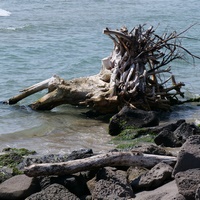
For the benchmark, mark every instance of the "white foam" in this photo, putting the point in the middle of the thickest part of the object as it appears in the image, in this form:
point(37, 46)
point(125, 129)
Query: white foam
point(4, 13)
point(11, 28)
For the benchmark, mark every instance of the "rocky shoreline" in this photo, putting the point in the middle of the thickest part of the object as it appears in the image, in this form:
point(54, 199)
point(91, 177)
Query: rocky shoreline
point(163, 181)
point(179, 180)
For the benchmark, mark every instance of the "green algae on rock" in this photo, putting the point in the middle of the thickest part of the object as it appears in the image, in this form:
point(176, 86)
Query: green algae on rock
point(128, 138)
point(10, 160)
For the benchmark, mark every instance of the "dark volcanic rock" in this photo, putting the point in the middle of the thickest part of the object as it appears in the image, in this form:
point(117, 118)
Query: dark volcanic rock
point(77, 185)
point(189, 155)
point(187, 183)
point(166, 136)
point(18, 187)
point(134, 118)
point(54, 192)
point(110, 184)
point(171, 137)
point(185, 130)
point(168, 139)
point(74, 183)
point(154, 178)
point(80, 154)
point(173, 126)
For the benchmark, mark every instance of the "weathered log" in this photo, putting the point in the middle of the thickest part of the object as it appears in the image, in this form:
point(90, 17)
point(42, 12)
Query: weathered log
point(48, 83)
point(109, 159)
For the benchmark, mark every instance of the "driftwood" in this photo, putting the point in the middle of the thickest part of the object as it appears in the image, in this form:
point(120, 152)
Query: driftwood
point(135, 73)
point(88, 91)
point(109, 159)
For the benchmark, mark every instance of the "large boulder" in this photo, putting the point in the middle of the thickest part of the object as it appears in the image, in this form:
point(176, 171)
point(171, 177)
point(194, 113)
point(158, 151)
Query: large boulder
point(157, 176)
point(188, 182)
point(18, 187)
point(110, 184)
point(132, 118)
point(189, 155)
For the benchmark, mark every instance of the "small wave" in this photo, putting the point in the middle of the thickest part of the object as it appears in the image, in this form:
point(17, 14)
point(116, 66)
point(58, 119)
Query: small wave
point(4, 13)
point(11, 28)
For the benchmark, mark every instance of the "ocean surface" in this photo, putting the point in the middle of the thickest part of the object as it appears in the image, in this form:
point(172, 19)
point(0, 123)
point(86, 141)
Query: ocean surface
point(41, 38)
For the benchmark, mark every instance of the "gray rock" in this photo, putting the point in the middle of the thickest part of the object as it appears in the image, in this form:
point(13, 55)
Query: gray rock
point(187, 183)
point(45, 182)
point(5, 173)
point(168, 191)
point(135, 118)
point(18, 187)
point(197, 193)
point(77, 185)
point(189, 155)
point(135, 172)
point(151, 149)
point(154, 178)
point(173, 126)
point(91, 184)
point(111, 184)
point(54, 192)
point(80, 154)
point(179, 197)
point(185, 130)
point(169, 137)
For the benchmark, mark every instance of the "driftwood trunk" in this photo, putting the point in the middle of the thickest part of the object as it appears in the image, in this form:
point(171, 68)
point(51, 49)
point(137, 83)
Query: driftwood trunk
point(90, 91)
point(98, 161)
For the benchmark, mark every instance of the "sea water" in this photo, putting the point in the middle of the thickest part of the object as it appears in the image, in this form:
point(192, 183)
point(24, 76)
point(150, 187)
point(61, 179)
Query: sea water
point(41, 38)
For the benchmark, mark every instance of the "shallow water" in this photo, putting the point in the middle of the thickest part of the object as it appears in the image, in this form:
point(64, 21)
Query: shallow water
point(63, 37)
point(62, 130)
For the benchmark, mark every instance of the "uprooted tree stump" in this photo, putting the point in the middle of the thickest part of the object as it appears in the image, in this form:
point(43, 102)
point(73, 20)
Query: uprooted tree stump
point(133, 74)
